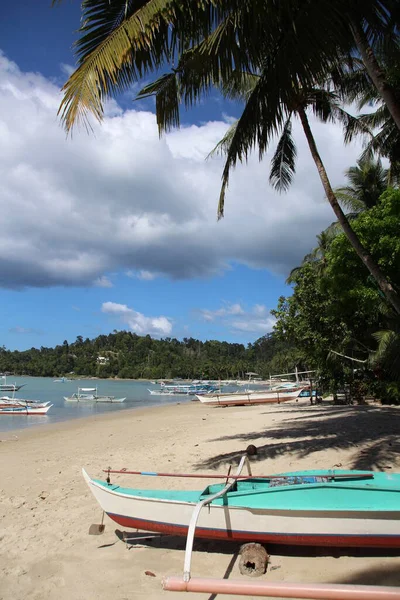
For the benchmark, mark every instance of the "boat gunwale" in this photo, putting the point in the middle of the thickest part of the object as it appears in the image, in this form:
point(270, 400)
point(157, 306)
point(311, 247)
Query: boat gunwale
point(113, 490)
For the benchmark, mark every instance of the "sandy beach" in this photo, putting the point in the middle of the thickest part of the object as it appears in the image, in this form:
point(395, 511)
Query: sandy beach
point(46, 508)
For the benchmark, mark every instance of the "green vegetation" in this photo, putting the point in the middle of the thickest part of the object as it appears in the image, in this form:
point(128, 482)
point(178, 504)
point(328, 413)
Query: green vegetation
point(131, 356)
point(336, 307)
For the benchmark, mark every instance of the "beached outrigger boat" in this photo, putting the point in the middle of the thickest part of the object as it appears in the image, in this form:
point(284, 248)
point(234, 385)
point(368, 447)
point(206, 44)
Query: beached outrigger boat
point(274, 396)
point(189, 389)
point(319, 508)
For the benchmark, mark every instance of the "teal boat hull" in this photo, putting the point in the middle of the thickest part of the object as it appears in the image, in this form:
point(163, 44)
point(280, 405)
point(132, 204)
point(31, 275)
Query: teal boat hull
point(307, 508)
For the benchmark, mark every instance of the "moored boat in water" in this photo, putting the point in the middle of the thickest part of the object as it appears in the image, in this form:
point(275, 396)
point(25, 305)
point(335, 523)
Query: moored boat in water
point(319, 508)
point(26, 409)
point(7, 402)
point(86, 394)
point(9, 387)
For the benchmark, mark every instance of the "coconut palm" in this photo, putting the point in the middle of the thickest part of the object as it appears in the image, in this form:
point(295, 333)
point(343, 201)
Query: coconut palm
point(367, 182)
point(317, 256)
point(291, 46)
point(122, 40)
point(382, 135)
point(252, 128)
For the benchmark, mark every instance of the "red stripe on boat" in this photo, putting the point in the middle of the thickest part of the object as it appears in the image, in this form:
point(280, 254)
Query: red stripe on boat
point(370, 541)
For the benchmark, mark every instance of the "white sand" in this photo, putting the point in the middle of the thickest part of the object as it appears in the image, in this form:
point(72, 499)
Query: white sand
point(46, 508)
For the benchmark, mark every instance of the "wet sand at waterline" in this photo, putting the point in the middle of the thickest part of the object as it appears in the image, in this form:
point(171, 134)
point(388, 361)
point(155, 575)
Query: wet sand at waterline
point(46, 508)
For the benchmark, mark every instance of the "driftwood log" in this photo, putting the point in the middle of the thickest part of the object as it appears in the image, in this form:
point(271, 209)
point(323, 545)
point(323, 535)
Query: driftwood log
point(253, 560)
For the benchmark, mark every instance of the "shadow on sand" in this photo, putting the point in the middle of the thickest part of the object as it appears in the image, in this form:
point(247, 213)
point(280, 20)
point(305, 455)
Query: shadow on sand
point(371, 430)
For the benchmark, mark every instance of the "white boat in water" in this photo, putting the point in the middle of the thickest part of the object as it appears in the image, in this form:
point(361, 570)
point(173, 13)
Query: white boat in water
point(91, 395)
point(26, 409)
point(9, 387)
point(274, 396)
point(7, 402)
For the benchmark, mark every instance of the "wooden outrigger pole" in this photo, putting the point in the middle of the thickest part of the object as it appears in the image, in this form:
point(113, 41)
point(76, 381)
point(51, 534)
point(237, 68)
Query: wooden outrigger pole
point(207, 476)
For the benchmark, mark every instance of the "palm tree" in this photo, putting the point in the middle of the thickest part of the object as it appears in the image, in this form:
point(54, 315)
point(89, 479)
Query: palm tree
point(291, 45)
point(367, 182)
point(121, 41)
point(378, 127)
point(317, 256)
point(252, 128)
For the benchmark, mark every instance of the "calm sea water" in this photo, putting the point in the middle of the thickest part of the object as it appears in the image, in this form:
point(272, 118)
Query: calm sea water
point(45, 389)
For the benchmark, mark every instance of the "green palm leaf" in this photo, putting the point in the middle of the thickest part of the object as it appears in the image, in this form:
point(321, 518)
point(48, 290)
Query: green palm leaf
point(283, 163)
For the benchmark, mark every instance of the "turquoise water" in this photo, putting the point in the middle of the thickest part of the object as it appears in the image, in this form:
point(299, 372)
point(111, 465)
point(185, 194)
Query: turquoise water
point(44, 389)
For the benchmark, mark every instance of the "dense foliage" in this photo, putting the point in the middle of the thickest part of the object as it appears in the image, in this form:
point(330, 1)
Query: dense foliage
point(131, 356)
point(337, 310)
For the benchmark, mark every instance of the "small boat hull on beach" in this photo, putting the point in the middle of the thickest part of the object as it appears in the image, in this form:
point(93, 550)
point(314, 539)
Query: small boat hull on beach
point(250, 397)
point(357, 509)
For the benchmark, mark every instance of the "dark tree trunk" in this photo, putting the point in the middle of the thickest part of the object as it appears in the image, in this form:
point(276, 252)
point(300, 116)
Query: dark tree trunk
point(366, 258)
point(376, 73)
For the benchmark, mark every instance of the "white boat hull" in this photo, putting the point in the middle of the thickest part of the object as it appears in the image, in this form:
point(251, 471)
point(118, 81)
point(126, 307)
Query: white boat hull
point(108, 399)
point(301, 527)
point(24, 410)
point(249, 397)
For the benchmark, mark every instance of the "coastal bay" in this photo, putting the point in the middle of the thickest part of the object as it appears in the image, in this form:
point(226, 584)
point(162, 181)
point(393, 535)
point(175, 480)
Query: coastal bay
point(46, 508)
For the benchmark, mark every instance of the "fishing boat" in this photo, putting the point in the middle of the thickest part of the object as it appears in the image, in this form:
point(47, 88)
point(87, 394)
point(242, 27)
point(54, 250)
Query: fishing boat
point(189, 389)
point(273, 396)
point(318, 508)
point(9, 387)
point(6, 401)
point(25, 410)
point(86, 394)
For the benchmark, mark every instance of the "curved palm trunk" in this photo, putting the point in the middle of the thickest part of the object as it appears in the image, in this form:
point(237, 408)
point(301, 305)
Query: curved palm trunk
point(376, 73)
point(366, 258)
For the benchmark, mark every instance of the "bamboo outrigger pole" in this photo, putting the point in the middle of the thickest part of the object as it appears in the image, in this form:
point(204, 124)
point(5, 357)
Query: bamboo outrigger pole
point(313, 591)
point(205, 476)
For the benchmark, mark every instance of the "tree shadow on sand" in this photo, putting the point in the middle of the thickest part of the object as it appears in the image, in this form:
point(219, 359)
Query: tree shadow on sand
point(372, 431)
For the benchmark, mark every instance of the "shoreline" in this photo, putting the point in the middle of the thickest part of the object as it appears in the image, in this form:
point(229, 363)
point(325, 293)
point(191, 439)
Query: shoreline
point(47, 509)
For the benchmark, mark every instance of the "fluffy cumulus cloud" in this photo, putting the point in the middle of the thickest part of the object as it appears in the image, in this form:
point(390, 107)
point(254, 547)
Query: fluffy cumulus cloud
point(136, 321)
point(75, 210)
point(257, 320)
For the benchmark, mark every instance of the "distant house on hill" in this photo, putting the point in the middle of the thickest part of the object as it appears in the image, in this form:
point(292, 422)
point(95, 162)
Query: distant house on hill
point(102, 360)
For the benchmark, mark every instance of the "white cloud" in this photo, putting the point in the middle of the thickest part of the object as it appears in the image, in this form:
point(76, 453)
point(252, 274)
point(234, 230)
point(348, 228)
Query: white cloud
point(120, 199)
point(136, 321)
point(103, 281)
point(257, 320)
point(211, 315)
point(143, 275)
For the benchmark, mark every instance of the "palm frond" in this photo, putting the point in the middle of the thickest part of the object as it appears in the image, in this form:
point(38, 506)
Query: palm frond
point(387, 354)
point(224, 144)
point(166, 91)
point(283, 163)
point(111, 62)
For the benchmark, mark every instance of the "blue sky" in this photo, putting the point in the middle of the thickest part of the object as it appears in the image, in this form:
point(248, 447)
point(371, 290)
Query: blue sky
point(118, 230)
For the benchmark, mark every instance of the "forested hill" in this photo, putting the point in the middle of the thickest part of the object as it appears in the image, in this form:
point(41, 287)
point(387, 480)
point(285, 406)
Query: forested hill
point(127, 355)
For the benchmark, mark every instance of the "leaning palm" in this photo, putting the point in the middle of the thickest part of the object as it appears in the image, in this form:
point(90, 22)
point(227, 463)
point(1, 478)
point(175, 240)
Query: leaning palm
point(383, 137)
point(123, 40)
point(257, 126)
